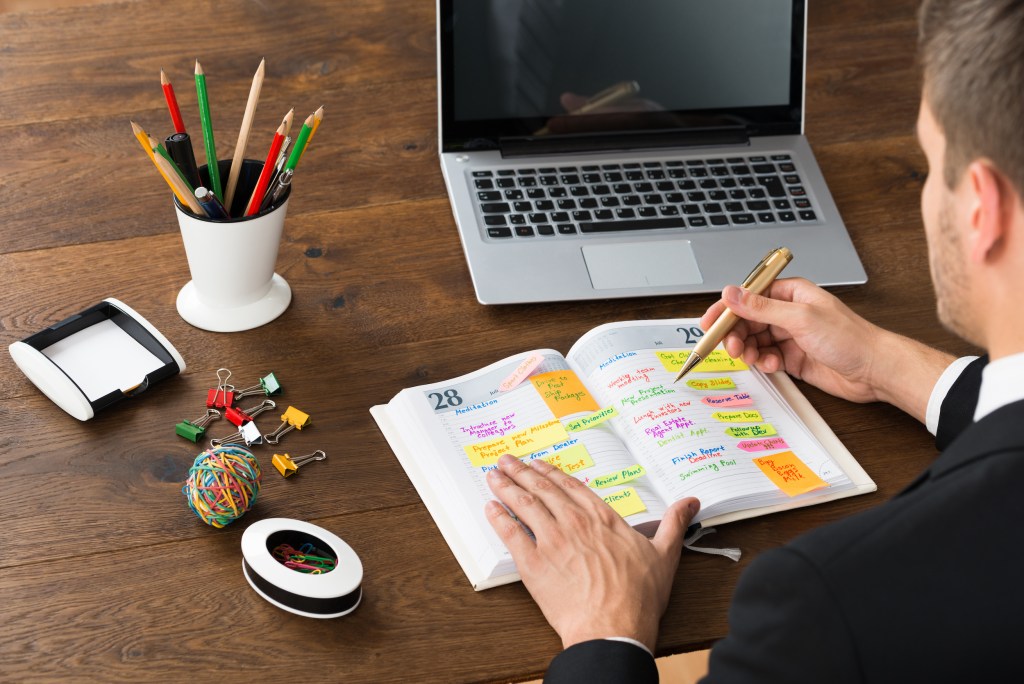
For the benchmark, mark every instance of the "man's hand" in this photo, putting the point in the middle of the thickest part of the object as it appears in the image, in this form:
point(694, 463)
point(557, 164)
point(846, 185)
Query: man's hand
point(592, 575)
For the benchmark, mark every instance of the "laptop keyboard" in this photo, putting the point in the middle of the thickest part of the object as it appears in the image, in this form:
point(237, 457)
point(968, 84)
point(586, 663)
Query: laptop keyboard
point(695, 194)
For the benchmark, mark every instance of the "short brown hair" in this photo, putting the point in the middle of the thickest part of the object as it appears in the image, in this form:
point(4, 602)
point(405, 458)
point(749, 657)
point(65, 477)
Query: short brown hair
point(972, 52)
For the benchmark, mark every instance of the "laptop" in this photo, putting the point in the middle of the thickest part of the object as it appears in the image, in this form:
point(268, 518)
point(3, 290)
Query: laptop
point(597, 149)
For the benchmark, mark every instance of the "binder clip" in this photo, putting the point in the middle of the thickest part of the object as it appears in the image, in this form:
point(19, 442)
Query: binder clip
point(223, 395)
point(267, 386)
point(291, 419)
point(249, 433)
point(288, 466)
point(192, 430)
point(239, 417)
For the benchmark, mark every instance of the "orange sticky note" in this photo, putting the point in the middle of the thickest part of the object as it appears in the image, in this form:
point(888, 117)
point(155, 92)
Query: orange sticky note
point(563, 392)
point(789, 473)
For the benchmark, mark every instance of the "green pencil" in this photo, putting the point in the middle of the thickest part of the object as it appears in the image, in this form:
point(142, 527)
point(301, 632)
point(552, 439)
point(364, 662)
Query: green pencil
point(300, 143)
point(211, 149)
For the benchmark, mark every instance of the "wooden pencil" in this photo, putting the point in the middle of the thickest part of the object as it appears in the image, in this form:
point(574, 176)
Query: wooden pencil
point(143, 139)
point(243, 133)
point(212, 169)
point(172, 103)
point(268, 167)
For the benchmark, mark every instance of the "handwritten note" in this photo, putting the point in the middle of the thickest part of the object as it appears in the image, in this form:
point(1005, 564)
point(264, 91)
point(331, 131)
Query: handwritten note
point(563, 392)
point(570, 459)
point(717, 361)
point(619, 477)
point(518, 443)
point(521, 372)
point(770, 444)
point(587, 422)
point(762, 430)
point(626, 502)
point(711, 383)
point(789, 473)
point(749, 416)
point(729, 400)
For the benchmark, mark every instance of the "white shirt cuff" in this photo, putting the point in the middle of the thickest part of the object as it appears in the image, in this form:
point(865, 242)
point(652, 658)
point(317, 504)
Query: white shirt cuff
point(631, 641)
point(941, 389)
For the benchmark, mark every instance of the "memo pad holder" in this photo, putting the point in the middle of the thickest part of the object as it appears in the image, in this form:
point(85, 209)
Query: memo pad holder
point(96, 358)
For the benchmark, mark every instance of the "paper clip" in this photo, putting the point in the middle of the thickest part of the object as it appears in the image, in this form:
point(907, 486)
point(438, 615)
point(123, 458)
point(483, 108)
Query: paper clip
point(194, 429)
point(291, 419)
point(267, 386)
point(223, 394)
point(287, 466)
point(249, 433)
point(239, 417)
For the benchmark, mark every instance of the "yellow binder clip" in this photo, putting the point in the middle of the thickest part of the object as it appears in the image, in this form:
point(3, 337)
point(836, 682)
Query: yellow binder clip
point(291, 419)
point(288, 466)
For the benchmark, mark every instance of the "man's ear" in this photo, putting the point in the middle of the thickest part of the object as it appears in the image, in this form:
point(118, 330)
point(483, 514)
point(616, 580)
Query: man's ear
point(988, 211)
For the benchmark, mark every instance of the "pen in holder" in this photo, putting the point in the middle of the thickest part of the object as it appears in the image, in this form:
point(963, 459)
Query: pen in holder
point(234, 286)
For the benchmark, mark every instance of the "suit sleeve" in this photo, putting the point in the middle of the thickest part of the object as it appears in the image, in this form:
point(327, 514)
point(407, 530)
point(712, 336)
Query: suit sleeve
point(602, 661)
point(784, 626)
point(957, 411)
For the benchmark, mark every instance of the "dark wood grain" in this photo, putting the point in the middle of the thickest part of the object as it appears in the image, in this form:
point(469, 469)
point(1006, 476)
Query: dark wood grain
point(104, 573)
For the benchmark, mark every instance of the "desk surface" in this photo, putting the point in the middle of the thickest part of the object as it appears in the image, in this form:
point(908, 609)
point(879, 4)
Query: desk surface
point(104, 573)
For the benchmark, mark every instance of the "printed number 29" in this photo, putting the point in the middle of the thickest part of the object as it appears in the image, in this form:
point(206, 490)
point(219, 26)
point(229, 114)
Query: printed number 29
point(692, 333)
point(451, 398)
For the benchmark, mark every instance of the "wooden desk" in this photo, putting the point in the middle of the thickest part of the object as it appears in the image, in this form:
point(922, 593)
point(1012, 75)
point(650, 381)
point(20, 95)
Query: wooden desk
point(104, 572)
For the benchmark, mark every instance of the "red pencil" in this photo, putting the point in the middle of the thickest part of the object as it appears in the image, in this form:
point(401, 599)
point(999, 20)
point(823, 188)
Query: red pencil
point(268, 168)
point(172, 103)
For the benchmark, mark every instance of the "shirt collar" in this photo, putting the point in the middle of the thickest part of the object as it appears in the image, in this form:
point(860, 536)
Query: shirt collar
point(1002, 383)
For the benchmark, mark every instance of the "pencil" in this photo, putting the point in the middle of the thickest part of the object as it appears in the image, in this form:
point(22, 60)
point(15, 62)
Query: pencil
point(300, 143)
point(268, 167)
point(143, 139)
point(318, 116)
point(211, 149)
point(243, 133)
point(172, 103)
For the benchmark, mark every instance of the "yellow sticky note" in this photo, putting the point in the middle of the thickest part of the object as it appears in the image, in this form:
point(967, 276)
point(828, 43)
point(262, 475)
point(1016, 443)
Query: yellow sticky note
point(626, 502)
point(748, 431)
point(789, 473)
point(738, 416)
point(619, 477)
point(518, 443)
point(590, 421)
point(711, 383)
point(571, 459)
point(563, 392)
point(717, 361)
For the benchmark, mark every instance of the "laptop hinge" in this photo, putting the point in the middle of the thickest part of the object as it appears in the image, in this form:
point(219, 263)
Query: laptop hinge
point(636, 140)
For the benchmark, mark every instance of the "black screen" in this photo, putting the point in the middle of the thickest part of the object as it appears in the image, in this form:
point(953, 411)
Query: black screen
point(528, 67)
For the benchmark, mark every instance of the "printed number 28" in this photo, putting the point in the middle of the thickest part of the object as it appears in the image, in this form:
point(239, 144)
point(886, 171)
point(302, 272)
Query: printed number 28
point(450, 398)
point(692, 333)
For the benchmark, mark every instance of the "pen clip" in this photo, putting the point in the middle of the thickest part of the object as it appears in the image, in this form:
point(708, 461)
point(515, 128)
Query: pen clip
point(749, 280)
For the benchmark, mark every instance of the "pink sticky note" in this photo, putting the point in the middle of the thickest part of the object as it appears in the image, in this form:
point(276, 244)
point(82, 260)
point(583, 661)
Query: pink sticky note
point(522, 371)
point(729, 400)
point(765, 444)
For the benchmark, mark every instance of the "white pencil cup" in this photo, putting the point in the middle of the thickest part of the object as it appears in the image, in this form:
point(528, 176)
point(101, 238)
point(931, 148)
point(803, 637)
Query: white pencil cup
point(234, 286)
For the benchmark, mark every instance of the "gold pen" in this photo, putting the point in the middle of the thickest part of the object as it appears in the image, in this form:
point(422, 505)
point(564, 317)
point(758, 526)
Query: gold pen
point(608, 96)
point(757, 282)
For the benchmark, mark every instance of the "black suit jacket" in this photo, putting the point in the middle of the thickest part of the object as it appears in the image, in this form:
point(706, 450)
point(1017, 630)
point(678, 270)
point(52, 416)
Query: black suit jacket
point(928, 587)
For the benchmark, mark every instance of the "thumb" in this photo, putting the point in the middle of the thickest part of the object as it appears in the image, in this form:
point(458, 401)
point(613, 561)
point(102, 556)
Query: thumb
point(669, 537)
point(757, 308)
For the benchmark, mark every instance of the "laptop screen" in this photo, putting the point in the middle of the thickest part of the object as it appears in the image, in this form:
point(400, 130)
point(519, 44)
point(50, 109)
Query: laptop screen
point(531, 69)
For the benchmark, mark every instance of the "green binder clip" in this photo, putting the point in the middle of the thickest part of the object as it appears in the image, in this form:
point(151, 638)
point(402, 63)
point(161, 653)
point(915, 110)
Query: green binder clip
point(192, 430)
point(267, 386)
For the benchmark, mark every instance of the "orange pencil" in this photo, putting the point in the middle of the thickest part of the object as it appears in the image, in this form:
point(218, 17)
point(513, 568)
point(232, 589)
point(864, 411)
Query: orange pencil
point(268, 168)
point(143, 139)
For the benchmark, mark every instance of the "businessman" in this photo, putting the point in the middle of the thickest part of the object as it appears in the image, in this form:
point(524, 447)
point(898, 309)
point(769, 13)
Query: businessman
point(927, 586)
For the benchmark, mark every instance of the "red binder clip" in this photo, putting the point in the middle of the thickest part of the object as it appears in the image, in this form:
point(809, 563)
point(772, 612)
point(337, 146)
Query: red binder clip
point(239, 417)
point(223, 395)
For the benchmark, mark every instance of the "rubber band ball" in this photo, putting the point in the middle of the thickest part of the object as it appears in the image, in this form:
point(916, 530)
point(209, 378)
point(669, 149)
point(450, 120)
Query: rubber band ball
point(223, 484)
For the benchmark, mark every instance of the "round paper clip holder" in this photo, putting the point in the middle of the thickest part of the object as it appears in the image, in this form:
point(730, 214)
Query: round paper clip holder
point(328, 595)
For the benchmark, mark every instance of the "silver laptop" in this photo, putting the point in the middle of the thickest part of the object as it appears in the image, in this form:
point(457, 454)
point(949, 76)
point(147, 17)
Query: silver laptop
point(603, 148)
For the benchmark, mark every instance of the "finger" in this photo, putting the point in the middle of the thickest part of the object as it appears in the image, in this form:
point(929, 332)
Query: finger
point(669, 537)
point(534, 479)
point(712, 314)
point(574, 489)
point(761, 309)
point(523, 504)
point(510, 532)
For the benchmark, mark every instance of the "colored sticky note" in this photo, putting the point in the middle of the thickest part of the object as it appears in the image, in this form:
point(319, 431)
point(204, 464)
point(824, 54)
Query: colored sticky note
point(717, 361)
point(571, 459)
point(618, 477)
point(749, 416)
point(762, 430)
point(711, 383)
point(518, 443)
point(587, 422)
point(769, 444)
point(522, 371)
point(626, 502)
point(563, 392)
point(789, 473)
point(729, 400)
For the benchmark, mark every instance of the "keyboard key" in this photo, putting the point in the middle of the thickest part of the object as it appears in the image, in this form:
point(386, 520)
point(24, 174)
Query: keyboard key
point(613, 177)
point(495, 208)
point(687, 185)
point(566, 229)
point(787, 216)
point(528, 182)
point(546, 229)
point(635, 224)
point(484, 184)
point(717, 195)
point(698, 172)
point(733, 207)
point(773, 186)
point(522, 206)
point(756, 193)
point(787, 168)
point(588, 203)
point(482, 174)
point(536, 193)
point(791, 179)
point(727, 183)
point(668, 210)
point(604, 215)
point(734, 160)
point(591, 167)
point(591, 178)
point(566, 204)
point(570, 179)
point(758, 159)
point(495, 220)
point(517, 220)
point(696, 196)
point(808, 215)
point(764, 168)
point(737, 194)
point(719, 171)
point(766, 217)
point(581, 215)
point(653, 198)
point(610, 167)
point(544, 205)
point(664, 186)
point(513, 194)
point(524, 231)
point(567, 169)
point(698, 222)
point(505, 182)
point(527, 172)
point(547, 170)
point(719, 220)
point(780, 157)
point(625, 213)
point(740, 170)
point(656, 175)
point(759, 205)
point(632, 200)
point(506, 172)
point(549, 180)
point(708, 184)
point(631, 165)
point(677, 173)
point(611, 201)
point(652, 165)
point(489, 196)
point(675, 197)
point(781, 204)
point(600, 190)
point(742, 219)
point(646, 212)
point(802, 203)
point(557, 192)
point(622, 188)
point(560, 217)
point(538, 218)
point(634, 175)
point(797, 191)
point(691, 209)
point(499, 232)
point(643, 187)
point(712, 208)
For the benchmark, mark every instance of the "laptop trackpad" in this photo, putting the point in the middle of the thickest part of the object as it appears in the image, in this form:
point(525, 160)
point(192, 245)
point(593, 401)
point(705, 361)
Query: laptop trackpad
point(645, 264)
